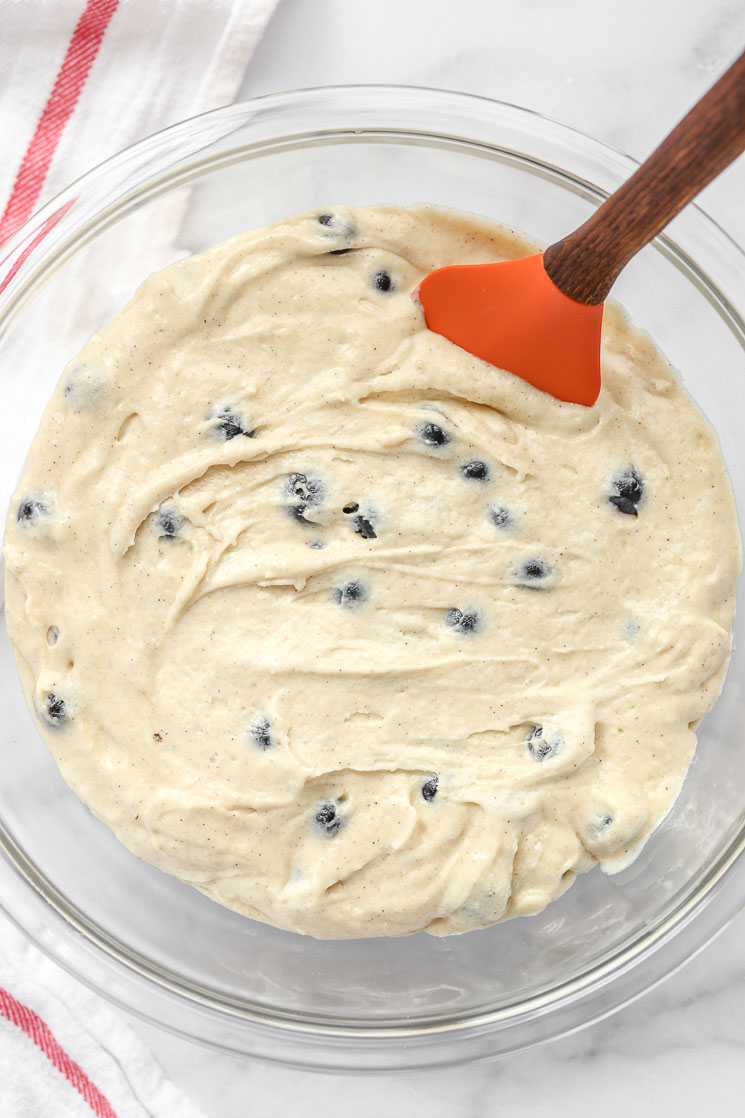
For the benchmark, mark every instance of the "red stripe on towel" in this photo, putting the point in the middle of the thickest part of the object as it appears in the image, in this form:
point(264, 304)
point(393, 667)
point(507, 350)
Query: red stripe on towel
point(47, 226)
point(31, 1024)
point(82, 50)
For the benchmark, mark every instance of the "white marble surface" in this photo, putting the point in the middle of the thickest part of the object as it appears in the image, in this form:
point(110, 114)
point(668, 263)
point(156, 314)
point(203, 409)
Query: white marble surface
point(623, 70)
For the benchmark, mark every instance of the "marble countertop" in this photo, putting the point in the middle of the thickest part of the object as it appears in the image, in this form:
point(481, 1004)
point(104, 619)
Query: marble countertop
point(623, 70)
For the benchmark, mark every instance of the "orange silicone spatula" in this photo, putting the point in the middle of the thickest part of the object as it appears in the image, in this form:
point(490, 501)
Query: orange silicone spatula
point(540, 317)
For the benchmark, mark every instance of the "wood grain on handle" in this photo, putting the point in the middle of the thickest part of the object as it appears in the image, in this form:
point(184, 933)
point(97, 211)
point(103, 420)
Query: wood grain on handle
point(585, 264)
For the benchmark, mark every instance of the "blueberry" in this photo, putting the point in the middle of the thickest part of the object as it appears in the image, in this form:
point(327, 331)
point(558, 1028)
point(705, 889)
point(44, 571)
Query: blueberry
point(352, 593)
point(55, 709)
point(327, 818)
point(382, 281)
point(337, 227)
point(304, 493)
point(363, 527)
point(170, 522)
point(307, 490)
point(30, 508)
point(297, 513)
point(626, 491)
point(433, 435)
point(501, 517)
point(351, 506)
point(541, 746)
point(532, 572)
point(84, 385)
point(463, 620)
point(261, 732)
point(476, 469)
point(429, 788)
point(230, 424)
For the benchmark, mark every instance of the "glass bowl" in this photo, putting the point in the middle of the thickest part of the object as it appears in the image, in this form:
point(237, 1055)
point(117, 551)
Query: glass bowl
point(158, 947)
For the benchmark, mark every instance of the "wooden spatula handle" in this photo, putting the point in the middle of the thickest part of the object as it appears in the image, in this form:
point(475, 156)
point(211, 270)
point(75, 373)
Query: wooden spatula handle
point(585, 264)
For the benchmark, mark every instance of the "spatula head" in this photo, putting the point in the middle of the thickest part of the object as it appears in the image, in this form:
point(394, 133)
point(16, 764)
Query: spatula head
point(513, 316)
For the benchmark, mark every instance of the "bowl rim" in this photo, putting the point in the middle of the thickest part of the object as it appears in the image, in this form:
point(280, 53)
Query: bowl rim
point(712, 907)
point(286, 96)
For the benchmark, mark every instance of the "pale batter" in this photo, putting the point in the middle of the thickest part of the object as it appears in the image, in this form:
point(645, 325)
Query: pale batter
point(345, 627)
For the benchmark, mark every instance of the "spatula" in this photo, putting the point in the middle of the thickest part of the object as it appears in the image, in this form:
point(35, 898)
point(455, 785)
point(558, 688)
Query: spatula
point(540, 317)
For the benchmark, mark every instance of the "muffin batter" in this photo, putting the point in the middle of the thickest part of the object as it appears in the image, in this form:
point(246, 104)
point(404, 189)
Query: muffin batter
point(348, 629)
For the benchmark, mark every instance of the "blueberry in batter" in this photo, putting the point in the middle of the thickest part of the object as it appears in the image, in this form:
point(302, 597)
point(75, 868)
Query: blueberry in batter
point(433, 435)
point(626, 491)
point(475, 470)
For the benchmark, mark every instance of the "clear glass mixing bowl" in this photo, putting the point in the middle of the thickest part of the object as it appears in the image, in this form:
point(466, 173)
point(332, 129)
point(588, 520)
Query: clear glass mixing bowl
point(158, 947)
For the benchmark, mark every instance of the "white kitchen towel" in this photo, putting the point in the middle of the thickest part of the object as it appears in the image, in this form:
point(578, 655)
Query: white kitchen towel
point(65, 1054)
point(79, 80)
